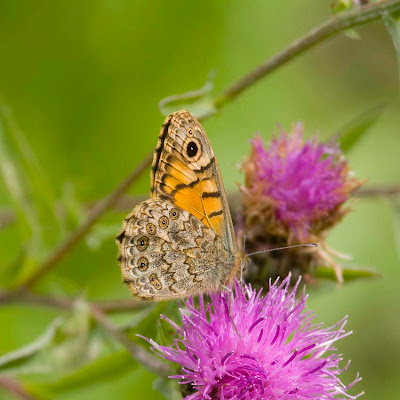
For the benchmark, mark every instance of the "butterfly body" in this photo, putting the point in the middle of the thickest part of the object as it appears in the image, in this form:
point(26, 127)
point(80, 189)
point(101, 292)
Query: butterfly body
point(181, 241)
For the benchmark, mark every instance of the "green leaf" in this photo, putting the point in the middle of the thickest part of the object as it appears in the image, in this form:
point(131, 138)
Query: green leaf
point(36, 392)
point(166, 332)
point(137, 317)
point(392, 22)
point(169, 388)
point(32, 197)
point(102, 369)
point(352, 34)
point(146, 326)
point(199, 102)
point(349, 274)
point(73, 211)
point(17, 184)
point(7, 272)
point(339, 6)
point(18, 358)
point(154, 327)
point(351, 134)
point(66, 344)
point(40, 191)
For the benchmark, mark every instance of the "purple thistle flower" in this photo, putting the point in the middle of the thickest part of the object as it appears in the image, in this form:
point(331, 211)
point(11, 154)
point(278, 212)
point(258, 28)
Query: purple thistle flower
point(242, 346)
point(297, 188)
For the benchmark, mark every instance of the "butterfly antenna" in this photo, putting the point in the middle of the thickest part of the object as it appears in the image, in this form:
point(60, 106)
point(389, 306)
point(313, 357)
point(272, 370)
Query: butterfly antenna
point(284, 248)
point(242, 261)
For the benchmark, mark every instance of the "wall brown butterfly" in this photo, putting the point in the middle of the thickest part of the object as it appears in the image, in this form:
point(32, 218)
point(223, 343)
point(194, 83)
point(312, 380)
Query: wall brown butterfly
point(181, 241)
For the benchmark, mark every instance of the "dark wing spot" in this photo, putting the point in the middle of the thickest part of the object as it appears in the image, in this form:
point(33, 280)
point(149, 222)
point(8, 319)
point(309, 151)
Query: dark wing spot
point(215, 214)
point(143, 264)
point(163, 222)
point(180, 186)
point(151, 228)
point(142, 243)
point(206, 195)
point(120, 237)
point(192, 149)
point(155, 282)
point(174, 214)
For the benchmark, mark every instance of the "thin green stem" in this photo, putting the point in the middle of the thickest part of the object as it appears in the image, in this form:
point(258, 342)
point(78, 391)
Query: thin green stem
point(336, 24)
point(67, 303)
point(92, 217)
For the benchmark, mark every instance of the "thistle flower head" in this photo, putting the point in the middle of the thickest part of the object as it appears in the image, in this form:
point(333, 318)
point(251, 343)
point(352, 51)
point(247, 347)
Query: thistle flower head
point(242, 346)
point(296, 188)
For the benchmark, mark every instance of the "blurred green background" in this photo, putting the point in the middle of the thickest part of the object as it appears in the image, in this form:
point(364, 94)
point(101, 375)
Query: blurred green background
point(83, 80)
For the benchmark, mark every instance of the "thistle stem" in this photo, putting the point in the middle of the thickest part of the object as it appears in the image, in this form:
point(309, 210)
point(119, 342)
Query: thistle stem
point(335, 24)
point(67, 303)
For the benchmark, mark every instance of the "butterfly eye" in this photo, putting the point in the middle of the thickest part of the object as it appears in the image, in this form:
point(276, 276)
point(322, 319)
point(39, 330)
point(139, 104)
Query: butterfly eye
point(192, 149)
point(190, 132)
point(142, 243)
point(163, 222)
point(174, 214)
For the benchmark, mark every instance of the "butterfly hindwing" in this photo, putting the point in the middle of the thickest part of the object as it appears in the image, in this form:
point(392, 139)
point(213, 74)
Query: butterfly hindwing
point(165, 253)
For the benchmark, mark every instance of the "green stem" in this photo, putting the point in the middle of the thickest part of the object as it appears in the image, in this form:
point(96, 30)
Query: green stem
point(92, 217)
point(67, 303)
point(336, 24)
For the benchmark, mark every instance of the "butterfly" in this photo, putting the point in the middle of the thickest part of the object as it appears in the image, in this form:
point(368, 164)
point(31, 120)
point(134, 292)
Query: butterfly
point(181, 241)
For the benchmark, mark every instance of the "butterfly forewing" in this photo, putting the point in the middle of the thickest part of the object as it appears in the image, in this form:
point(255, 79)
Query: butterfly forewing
point(185, 172)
